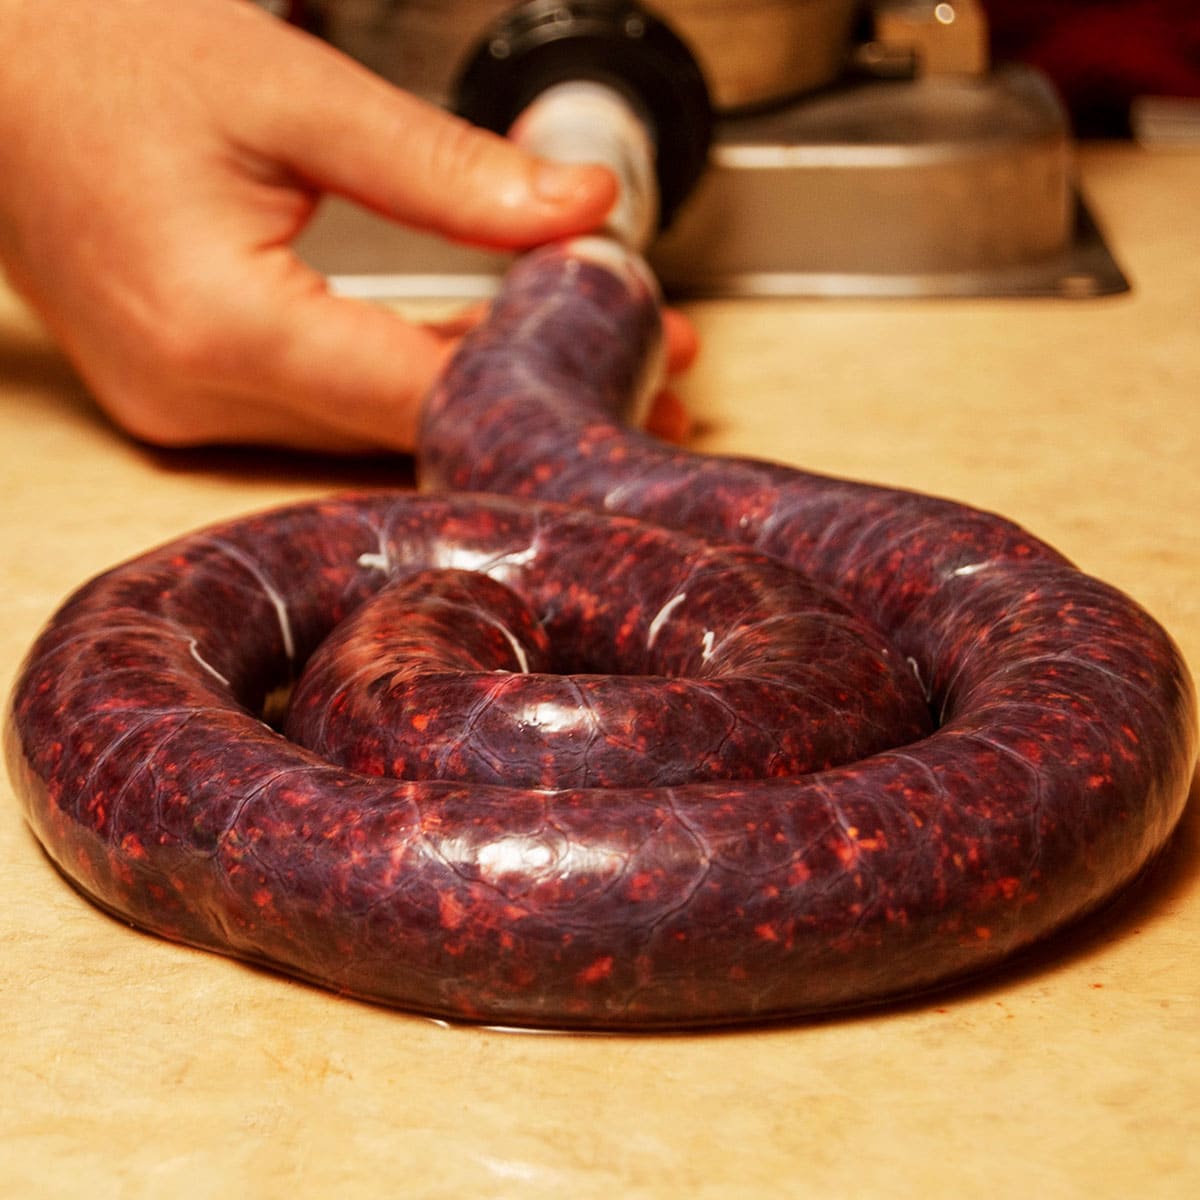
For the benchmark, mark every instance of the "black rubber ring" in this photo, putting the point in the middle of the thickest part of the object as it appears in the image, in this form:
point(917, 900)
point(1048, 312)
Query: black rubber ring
point(546, 42)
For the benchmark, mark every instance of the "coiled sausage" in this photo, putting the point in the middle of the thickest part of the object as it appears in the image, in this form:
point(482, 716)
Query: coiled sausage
point(1030, 749)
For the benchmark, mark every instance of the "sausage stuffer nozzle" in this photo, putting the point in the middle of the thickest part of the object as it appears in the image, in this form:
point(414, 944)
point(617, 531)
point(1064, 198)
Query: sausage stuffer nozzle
point(585, 121)
point(597, 81)
point(600, 81)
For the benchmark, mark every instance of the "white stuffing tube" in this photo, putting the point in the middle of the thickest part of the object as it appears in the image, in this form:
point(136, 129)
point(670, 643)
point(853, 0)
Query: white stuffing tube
point(584, 121)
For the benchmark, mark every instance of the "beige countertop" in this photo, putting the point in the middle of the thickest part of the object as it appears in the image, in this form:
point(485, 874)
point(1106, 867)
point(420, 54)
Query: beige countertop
point(132, 1067)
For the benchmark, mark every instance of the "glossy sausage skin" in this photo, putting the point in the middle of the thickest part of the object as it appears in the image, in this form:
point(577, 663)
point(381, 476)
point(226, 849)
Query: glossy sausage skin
point(1062, 755)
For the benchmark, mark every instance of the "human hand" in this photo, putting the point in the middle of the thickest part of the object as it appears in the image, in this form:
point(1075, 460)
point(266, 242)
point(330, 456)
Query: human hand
point(156, 163)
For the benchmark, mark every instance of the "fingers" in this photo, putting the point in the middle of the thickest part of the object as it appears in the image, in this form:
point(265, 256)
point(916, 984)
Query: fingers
point(319, 371)
point(329, 374)
point(355, 375)
point(413, 162)
point(311, 372)
point(683, 342)
point(256, 351)
point(669, 419)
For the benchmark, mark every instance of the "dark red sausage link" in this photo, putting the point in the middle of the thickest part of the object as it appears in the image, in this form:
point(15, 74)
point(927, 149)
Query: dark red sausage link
point(1060, 763)
point(620, 680)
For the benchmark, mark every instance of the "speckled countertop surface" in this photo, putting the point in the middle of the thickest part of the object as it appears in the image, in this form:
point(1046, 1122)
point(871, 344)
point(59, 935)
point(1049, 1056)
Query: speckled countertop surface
point(136, 1068)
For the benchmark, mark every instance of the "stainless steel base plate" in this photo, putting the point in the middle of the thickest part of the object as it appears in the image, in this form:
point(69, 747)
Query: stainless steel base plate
point(944, 186)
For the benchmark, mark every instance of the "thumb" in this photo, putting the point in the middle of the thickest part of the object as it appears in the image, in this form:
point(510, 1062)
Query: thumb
point(411, 161)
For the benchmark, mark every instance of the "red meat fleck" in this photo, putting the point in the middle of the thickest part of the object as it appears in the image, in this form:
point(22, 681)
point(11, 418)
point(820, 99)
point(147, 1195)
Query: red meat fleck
point(597, 971)
point(451, 912)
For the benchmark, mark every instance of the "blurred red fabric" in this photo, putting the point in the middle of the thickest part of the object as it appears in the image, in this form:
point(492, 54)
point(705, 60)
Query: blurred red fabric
point(1102, 53)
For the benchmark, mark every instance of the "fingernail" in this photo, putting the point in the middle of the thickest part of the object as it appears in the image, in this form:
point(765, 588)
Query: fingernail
point(560, 182)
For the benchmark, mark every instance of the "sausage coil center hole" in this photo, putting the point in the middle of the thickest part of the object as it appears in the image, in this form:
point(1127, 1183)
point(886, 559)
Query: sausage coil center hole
point(660, 662)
